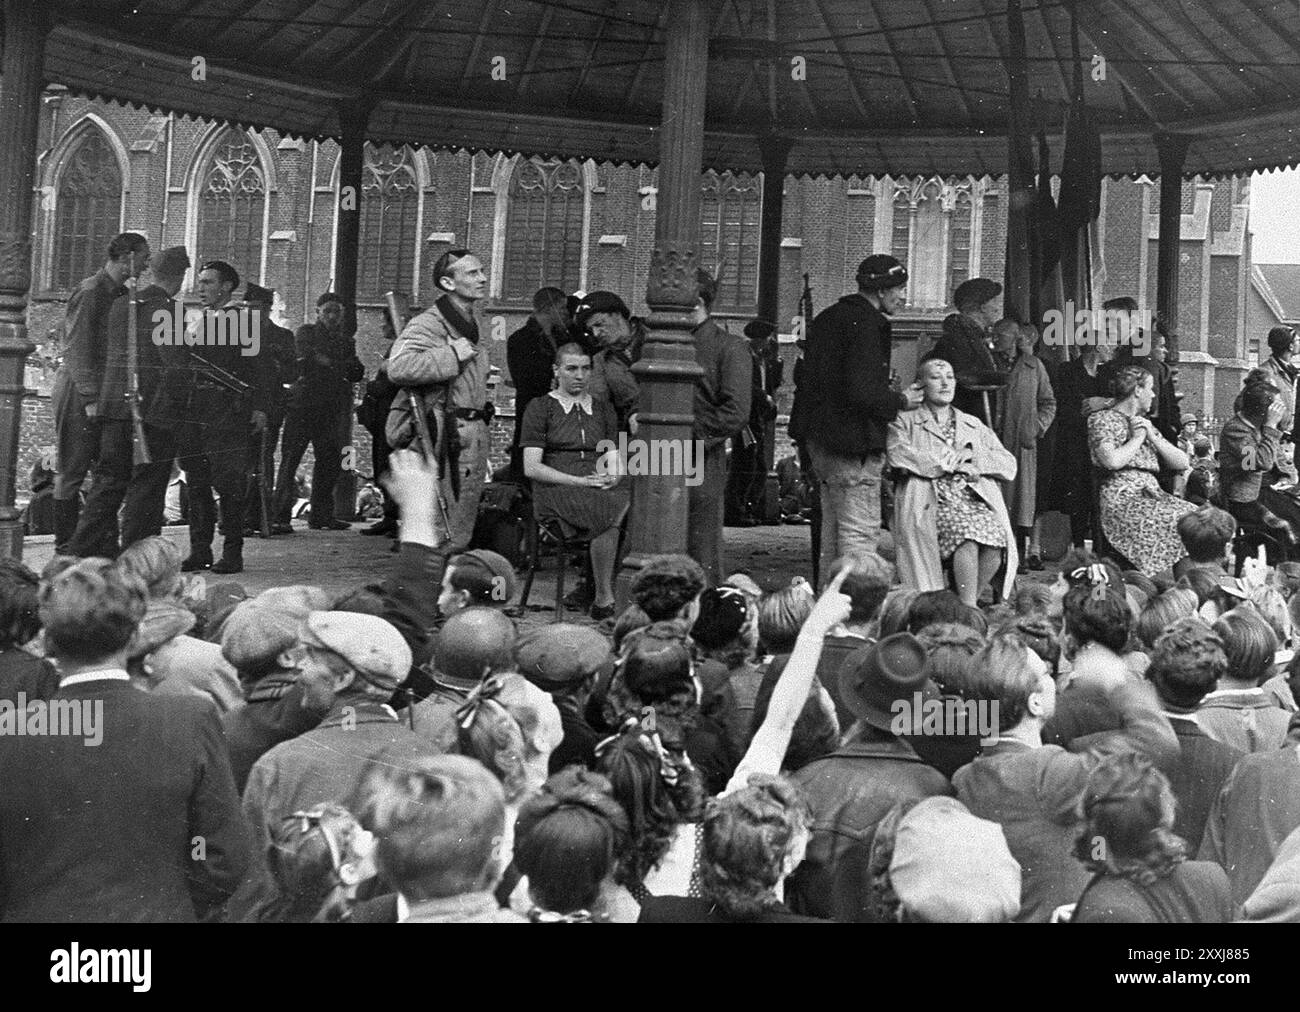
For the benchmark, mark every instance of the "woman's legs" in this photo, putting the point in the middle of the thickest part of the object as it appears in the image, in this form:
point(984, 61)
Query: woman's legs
point(973, 566)
point(604, 549)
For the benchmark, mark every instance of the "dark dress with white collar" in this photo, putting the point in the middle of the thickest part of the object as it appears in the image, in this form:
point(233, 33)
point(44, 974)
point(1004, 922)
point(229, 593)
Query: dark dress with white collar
point(569, 441)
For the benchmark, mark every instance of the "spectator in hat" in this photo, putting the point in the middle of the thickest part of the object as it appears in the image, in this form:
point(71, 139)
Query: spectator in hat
point(1186, 662)
point(1280, 370)
point(852, 789)
point(722, 407)
point(1029, 788)
point(613, 337)
point(931, 861)
point(844, 403)
point(21, 672)
point(751, 447)
point(964, 344)
point(1139, 866)
point(439, 821)
point(565, 660)
point(355, 661)
point(530, 358)
point(260, 640)
point(479, 577)
point(100, 824)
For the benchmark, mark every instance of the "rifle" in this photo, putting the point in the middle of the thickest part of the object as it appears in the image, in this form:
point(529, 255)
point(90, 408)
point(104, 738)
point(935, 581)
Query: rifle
point(399, 308)
point(257, 473)
point(215, 374)
point(139, 448)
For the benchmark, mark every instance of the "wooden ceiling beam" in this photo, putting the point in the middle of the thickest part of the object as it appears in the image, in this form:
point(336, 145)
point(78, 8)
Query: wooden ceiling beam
point(855, 91)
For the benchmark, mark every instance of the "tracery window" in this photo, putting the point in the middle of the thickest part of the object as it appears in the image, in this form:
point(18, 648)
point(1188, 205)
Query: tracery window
point(89, 210)
point(730, 224)
point(544, 225)
point(232, 205)
point(390, 209)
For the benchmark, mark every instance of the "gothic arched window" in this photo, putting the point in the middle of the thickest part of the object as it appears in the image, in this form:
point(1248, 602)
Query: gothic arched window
point(932, 235)
point(89, 210)
point(544, 226)
point(390, 208)
point(232, 204)
point(730, 215)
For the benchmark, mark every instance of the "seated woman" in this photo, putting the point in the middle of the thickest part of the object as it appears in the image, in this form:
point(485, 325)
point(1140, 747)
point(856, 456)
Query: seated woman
point(949, 504)
point(575, 481)
point(1138, 518)
point(1141, 874)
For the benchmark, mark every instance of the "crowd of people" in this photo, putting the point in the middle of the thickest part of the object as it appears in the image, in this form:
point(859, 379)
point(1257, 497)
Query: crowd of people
point(1116, 745)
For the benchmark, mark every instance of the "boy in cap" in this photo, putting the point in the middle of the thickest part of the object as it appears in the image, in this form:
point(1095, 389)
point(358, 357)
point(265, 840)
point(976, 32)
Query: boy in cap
point(844, 403)
point(352, 663)
point(853, 788)
point(118, 483)
point(259, 640)
point(477, 577)
point(964, 343)
point(564, 660)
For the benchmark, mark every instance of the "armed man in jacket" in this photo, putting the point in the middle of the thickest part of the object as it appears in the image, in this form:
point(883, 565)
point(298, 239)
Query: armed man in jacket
point(438, 355)
point(77, 385)
point(844, 404)
point(722, 400)
point(117, 477)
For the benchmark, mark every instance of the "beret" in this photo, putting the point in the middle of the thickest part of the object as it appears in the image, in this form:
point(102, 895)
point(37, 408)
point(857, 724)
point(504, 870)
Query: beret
point(562, 654)
point(171, 261)
point(599, 302)
point(374, 649)
point(975, 292)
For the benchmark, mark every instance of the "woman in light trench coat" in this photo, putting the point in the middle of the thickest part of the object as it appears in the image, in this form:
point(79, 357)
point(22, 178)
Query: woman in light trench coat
point(948, 503)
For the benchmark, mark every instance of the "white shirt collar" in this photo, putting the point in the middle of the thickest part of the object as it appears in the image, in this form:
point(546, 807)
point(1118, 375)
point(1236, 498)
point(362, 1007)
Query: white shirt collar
point(403, 909)
point(100, 675)
point(567, 402)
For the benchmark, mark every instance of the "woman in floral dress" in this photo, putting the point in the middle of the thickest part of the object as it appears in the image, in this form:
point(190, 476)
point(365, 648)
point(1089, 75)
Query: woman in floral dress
point(1138, 518)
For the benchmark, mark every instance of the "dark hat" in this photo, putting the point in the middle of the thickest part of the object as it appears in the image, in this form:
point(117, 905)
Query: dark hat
point(599, 302)
point(759, 330)
point(975, 292)
point(256, 293)
point(723, 613)
point(874, 677)
point(657, 662)
point(553, 657)
point(880, 271)
point(329, 297)
point(171, 262)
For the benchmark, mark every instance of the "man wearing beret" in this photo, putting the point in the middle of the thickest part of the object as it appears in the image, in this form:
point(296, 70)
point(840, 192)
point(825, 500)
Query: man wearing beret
point(964, 344)
point(354, 662)
point(616, 337)
point(844, 403)
point(564, 660)
point(143, 486)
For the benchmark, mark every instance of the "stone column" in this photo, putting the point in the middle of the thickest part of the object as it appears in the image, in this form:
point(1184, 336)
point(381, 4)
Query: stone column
point(25, 27)
point(667, 370)
point(1173, 155)
point(352, 117)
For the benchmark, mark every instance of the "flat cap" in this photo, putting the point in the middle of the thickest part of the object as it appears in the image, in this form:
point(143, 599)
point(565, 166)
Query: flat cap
point(374, 649)
point(255, 632)
point(256, 293)
point(171, 262)
point(556, 656)
point(502, 571)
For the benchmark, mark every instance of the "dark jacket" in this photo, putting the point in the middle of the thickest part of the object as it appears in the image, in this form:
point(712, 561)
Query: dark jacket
point(693, 910)
point(22, 672)
point(1246, 454)
point(577, 747)
point(844, 400)
point(1198, 777)
point(327, 368)
point(1195, 892)
point(85, 331)
point(273, 712)
point(113, 401)
point(722, 394)
point(108, 833)
point(530, 357)
point(254, 370)
point(849, 792)
point(280, 347)
point(964, 345)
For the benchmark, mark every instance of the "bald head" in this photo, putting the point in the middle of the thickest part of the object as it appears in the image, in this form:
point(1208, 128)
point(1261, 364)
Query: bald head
point(474, 642)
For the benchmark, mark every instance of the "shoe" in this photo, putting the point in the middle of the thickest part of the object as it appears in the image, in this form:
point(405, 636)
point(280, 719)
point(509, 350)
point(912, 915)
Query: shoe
point(230, 563)
point(1033, 564)
point(197, 561)
point(602, 611)
point(388, 527)
point(580, 598)
point(282, 528)
point(331, 525)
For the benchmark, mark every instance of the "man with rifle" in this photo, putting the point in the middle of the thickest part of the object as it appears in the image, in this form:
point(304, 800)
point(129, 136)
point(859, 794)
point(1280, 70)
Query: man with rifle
point(438, 356)
point(135, 458)
point(226, 393)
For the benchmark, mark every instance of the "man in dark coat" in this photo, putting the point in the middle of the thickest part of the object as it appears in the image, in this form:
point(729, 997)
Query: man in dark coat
point(282, 355)
point(530, 357)
point(75, 398)
point(372, 413)
point(751, 449)
point(721, 409)
point(565, 660)
point(124, 808)
point(844, 403)
point(322, 395)
point(117, 477)
point(964, 344)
